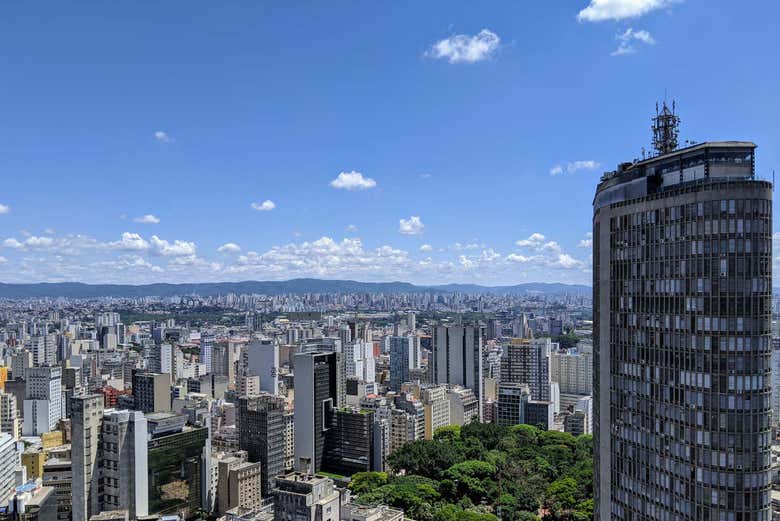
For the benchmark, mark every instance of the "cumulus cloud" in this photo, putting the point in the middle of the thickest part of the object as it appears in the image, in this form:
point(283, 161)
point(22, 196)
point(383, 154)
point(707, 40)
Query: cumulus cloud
point(175, 248)
point(574, 166)
point(587, 242)
point(163, 137)
point(628, 39)
point(600, 10)
point(411, 226)
point(533, 240)
point(129, 242)
point(147, 219)
point(464, 48)
point(352, 181)
point(4, 208)
point(265, 206)
point(352, 228)
point(426, 247)
point(3, 260)
point(229, 247)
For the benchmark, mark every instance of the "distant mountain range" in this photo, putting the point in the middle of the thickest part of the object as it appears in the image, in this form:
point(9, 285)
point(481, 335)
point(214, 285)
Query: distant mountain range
point(294, 286)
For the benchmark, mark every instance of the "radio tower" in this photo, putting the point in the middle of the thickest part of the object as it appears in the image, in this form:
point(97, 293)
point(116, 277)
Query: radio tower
point(666, 127)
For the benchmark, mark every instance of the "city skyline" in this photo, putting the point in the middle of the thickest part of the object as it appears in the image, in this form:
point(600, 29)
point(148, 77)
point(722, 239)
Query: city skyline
point(461, 144)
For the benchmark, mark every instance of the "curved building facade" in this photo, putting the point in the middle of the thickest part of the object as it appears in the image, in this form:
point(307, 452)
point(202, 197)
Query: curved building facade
point(682, 257)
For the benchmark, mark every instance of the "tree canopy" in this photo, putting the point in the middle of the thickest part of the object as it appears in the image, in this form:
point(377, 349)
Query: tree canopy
point(485, 472)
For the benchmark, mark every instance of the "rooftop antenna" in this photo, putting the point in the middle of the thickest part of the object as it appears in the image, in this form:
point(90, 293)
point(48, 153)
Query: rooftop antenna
point(666, 128)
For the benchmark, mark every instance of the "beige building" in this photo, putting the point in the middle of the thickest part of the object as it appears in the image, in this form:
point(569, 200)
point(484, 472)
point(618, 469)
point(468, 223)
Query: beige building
point(437, 409)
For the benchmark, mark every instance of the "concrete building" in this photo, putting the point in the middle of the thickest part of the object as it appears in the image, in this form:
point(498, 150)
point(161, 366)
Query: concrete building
point(527, 361)
point(402, 359)
point(263, 361)
point(261, 433)
point(436, 406)
point(316, 395)
point(85, 436)
point(464, 406)
point(123, 463)
point(43, 400)
point(359, 360)
point(682, 260)
point(457, 358)
point(511, 404)
point(306, 497)
point(239, 484)
point(573, 372)
point(9, 416)
point(152, 392)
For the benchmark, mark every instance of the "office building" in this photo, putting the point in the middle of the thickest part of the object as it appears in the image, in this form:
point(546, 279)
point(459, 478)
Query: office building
point(123, 463)
point(573, 372)
point(43, 400)
point(261, 433)
point(527, 361)
point(207, 351)
point(85, 436)
point(9, 415)
point(306, 497)
point(436, 408)
point(682, 264)
point(457, 358)
point(152, 392)
point(263, 361)
point(464, 406)
point(316, 395)
point(511, 404)
point(239, 485)
point(349, 442)
point(404, 356)
point(179, 465)
point(359, 360)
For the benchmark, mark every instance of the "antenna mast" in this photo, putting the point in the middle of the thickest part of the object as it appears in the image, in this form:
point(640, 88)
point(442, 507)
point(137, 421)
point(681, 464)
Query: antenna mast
point(666, 128)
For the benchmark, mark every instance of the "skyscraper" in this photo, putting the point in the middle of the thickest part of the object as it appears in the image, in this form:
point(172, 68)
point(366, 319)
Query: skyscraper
point(261, 432)
point(682, 246)
point(457, 358)
point(87, 414)
point(43, 402)
point(316, 395)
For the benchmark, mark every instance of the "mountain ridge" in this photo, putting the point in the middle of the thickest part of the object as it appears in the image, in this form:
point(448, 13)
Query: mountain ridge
point(292, 286)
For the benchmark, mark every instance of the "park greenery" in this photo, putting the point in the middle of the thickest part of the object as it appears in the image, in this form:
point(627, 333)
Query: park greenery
point(486, 472)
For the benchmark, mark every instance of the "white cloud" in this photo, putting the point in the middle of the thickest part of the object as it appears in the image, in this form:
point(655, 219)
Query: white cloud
point(229, 247)
point(566, 261)
point(352, 181)
point(426, 247)
point(265, 206)
point(163, 137)
point(3, 260)
point(574, 166)
point(425, 175)
point(464, 48)
point(176, 248)
point(129, 242)
point(147, 219)
point(628, 39)
point(411, 226)
point(587, 242)
point(600, 10)
point(4, 208)
point(352, 228)
point(534, 240)
point(31, 242)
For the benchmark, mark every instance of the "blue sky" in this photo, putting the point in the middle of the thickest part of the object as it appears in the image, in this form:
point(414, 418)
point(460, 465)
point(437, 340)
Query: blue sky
point(392, 140)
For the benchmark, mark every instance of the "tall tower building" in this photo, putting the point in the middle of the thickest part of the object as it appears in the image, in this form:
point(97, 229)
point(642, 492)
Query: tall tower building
point(261, 432)
point(457, 358)
point(87, 414)
point(43, 400)
point(682, 260)
point(316, 395)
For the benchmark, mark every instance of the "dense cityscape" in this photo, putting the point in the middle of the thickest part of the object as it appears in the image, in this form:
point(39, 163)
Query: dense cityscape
point(401, 261)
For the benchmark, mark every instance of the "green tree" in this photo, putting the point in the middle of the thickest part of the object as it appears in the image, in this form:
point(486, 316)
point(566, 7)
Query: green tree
point(366, 481)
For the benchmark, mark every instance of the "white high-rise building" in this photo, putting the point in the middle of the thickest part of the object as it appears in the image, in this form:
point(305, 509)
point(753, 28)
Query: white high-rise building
point(457, 359)
point(10, 459)
point(573, 372)
point(360, 361)
point(123, 462)
point(263, 360)
point(43, 400)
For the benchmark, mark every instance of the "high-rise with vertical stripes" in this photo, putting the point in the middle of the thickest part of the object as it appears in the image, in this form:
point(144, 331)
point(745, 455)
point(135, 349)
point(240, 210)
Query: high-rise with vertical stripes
point(682, 256)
